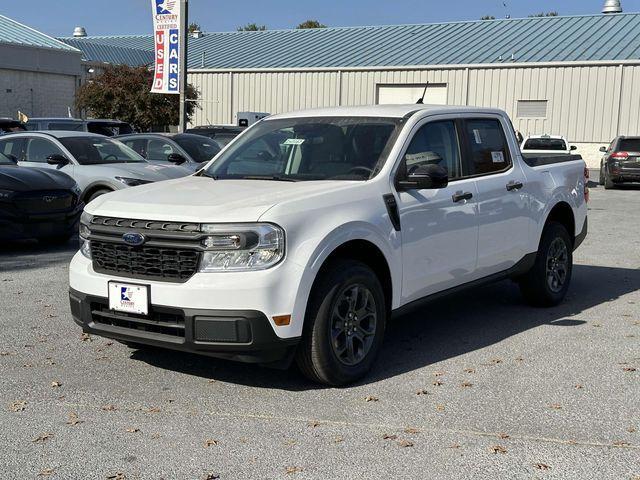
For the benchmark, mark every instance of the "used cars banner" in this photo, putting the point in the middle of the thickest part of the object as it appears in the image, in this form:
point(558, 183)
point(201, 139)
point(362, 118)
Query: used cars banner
point(166, 26)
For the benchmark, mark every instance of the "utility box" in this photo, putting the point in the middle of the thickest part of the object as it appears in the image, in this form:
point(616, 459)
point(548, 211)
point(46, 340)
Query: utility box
point(246, 119)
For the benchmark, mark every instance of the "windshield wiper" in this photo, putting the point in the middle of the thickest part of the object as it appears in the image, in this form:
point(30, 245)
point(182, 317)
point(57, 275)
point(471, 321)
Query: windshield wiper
point(276, 178)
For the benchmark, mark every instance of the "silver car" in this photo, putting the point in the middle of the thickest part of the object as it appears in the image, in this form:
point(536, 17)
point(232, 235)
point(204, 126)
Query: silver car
point(98, 164)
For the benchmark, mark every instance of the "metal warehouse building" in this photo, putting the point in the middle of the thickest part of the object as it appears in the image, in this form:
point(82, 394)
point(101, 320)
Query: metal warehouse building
point(578, 76)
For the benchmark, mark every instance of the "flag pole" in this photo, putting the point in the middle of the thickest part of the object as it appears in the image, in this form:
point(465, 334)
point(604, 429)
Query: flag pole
point(184, 36)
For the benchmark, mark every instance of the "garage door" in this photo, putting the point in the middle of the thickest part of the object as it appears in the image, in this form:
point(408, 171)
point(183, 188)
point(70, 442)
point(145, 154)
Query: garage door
point(406, 94)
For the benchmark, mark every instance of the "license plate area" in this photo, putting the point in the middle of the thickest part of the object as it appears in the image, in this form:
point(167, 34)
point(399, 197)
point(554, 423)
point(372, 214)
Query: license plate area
point(129, 298)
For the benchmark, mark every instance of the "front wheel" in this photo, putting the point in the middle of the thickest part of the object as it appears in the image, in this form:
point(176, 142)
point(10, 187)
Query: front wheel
point(546, 284)
point(97, 193)
point(608, 183)
point(344, 324)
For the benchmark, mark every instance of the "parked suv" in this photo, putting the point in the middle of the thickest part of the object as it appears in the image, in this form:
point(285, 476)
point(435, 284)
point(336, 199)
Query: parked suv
point(620, 162)
point(98, 164)
point(108, 128)
point(305, 234)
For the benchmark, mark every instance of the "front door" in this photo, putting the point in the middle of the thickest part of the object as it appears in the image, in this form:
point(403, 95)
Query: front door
point(439, 226)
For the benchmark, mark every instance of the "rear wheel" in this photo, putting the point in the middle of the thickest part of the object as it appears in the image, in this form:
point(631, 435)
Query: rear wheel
point(608, 183)
point(546, 284)
point(601, 176)
point(344, 324)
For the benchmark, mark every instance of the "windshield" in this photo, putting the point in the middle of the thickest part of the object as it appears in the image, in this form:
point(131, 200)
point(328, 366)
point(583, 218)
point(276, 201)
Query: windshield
point(4, 160)
point(545, 144)
point(321, 148)
point(201, 149)
point(99, 150)
point(630, 145)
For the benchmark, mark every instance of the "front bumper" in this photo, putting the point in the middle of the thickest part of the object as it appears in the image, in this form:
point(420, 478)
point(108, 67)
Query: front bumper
point(20, 227)
point(241, 335)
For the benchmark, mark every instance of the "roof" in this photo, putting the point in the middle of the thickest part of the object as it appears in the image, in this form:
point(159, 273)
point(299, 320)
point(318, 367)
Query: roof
point(12, 32)
point(382, 111)
point(115, 54)
point(588, 38)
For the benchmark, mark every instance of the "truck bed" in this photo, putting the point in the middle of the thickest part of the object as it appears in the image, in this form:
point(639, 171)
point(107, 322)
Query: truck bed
point(535, 160)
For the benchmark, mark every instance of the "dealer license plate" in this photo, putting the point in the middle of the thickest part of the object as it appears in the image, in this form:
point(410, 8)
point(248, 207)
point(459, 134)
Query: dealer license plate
point(129, 298)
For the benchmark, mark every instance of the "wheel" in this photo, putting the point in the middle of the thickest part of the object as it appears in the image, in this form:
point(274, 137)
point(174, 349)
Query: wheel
point(601, 176)
point(608, 183)
point(97, 193)
point(344, 324)
point(546, 284)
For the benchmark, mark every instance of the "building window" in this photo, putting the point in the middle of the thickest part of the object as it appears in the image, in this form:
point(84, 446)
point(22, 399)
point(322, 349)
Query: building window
point(532, 108)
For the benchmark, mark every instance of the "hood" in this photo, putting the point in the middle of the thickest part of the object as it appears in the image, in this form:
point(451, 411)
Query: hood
point(21, 179)
point(204, 200)
point(143, 170)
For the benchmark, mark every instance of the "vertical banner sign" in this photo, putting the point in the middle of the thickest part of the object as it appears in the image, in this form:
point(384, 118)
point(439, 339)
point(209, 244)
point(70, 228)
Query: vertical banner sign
point(167, 19)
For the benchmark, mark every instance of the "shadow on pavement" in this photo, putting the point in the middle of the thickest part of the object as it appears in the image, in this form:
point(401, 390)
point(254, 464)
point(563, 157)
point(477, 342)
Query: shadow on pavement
point(28, 254)
point(446, 328)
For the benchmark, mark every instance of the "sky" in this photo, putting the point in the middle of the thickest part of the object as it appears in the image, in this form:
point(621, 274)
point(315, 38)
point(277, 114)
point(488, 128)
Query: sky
point(120, 17)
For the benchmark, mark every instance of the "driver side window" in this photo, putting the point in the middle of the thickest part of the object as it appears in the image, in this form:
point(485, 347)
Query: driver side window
point(38, 149)
point(436, 143)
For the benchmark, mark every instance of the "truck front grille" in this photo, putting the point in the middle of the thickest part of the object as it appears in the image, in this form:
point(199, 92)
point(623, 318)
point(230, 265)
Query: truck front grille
point(168, 264)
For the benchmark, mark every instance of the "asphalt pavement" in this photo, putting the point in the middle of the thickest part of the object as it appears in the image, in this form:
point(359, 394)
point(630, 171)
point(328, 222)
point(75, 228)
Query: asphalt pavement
point(478, 385)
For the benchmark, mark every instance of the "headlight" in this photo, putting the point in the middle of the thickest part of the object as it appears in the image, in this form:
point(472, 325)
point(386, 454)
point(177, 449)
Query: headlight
point(85, 244)
point(85, 247)
point(6, 195)
point(133, 182)
point(241, 247)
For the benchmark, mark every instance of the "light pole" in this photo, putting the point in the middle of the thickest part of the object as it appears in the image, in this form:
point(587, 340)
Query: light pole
point(184, 30)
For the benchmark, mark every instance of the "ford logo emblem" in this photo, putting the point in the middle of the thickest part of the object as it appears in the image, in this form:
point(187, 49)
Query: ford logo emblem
point(134, 239)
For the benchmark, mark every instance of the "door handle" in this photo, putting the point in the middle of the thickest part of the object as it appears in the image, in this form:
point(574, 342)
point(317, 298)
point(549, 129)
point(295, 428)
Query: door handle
point(460, 196)
point(514, 185)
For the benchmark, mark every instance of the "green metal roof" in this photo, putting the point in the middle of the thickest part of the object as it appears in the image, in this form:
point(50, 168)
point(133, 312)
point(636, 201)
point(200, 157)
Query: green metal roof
point(542, 39)
point(115, 54)
point(12, 32)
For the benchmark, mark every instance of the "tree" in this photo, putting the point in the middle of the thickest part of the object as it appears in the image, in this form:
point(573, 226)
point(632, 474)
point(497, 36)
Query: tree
point(488, 17)
point(543, 14)
point(252, 27)
point(194, 27)
point(310, 24)
point(124, 93)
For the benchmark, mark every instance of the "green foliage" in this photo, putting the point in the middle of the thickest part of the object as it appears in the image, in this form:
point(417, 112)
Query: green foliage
point(252, 27)
point(310, 24)
point(543, 14)
point(193, 27)
point(488, 17)
point(124, 93)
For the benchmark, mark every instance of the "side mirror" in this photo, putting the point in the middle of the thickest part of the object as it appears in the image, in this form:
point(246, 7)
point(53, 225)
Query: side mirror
point(603, 149)
point(57, 159)
point(176, 158)
point(425, 177)
point(573, 147)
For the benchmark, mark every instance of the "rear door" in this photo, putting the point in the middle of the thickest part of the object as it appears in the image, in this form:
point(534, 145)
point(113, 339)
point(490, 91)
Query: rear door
point(502, 198)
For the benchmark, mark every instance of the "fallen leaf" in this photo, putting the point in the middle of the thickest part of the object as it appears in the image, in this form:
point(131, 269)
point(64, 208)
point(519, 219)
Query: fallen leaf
point(18, 406)
point(454, 446)
point(108, 344)
point(6, 354)
point(498, 449)
point(596, 325)
point(42, 438)
point(469, 370)
point(155, 436)
point(411, 430)
point(211, 381)
point(422, 392)
point(578, 386)
point(437, 383)
point(85, 337)
point(389, 436)
point(405, 443)
point(50, 361)
point(556, 406)
point(496, 361)
point(151, 410)
point(541, 466)
point(56, 384)
point(629, 369)
point(132, 430)
point(621, 443)
point(117, 476)
point(46, 472)
point(27, 365)
point(210, 443)
point(440, 408)
point(338, 439)
point(212, 476)
point(466, 384)
point(291, 470)
point(631, 429)
point(519, 359)
point(313, 424)
point(73, 419)
point(109, 408)
point(503, 435)
point(438, 374)
point(371, 399)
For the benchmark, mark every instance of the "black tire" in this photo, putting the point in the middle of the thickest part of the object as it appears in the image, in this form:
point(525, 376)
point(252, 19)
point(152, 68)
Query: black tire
point(539, 286)
point(97, 193)
point(333, 290)
point(601, 176)
point(608, 183)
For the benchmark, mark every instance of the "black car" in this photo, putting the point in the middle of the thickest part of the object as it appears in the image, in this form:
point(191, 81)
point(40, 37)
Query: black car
point(185, 149)
point(9, 125)
point(621, 162)
point(38, 203)
point(222, 134)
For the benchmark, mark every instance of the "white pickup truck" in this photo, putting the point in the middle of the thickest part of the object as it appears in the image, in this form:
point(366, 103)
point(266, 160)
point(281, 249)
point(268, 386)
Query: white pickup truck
point(307, 232)
point(546, 145)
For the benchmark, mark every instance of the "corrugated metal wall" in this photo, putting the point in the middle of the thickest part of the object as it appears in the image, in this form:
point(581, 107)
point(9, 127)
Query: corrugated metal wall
point(585, 103)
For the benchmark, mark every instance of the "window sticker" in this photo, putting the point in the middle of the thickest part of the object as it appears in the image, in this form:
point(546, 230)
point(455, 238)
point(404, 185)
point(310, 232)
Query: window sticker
point(476, 134)
point(294, 141)
point(497, 157)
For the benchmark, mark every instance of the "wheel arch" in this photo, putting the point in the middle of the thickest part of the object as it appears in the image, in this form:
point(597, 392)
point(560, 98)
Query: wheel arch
point(94, 187)
point(563, 214)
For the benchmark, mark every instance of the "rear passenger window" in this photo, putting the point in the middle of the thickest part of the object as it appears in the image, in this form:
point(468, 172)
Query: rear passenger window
point(13, 148)
point(436, 143)
point(487, 145)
